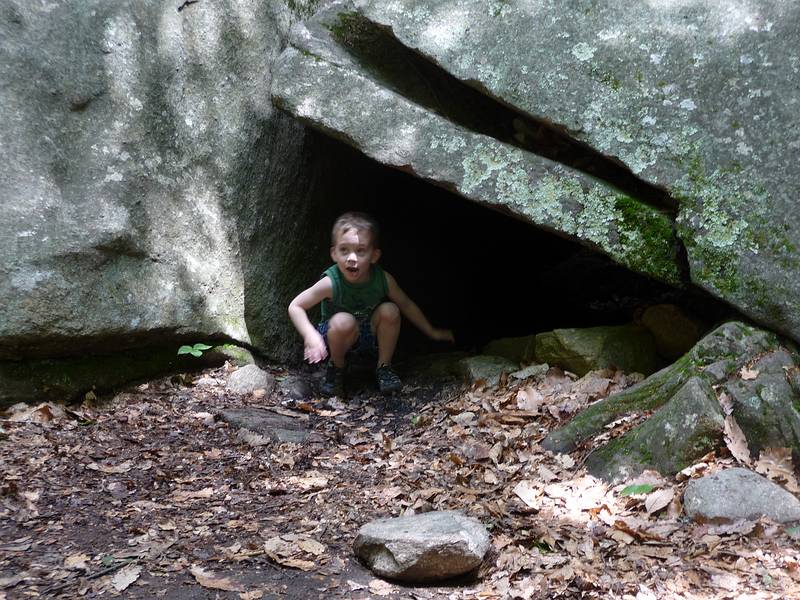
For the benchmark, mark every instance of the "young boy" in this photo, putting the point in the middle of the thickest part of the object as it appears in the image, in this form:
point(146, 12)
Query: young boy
point(361, 307)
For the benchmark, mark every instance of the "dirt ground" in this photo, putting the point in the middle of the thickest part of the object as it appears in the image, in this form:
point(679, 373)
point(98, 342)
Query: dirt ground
point(151, 495)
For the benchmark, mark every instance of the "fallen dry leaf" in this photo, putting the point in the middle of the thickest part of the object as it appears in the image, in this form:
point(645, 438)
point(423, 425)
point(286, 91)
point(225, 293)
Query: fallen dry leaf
point(736, 441)
point(311, 547)
point(179, 496)
point(297, 563)
point(125, 576)
point(776, 464)
point(726, 403)
point(254, 595)
point(529, 399)
point(658, 500)
point(528, 493)
point(311, 482)
point(380, 587)
point(122, 467)
point(748, 374)
point(208, 580)
point(76, 561)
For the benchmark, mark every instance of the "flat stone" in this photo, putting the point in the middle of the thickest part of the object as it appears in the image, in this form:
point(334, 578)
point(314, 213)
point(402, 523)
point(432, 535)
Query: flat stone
point(487, 368)
point(250, 378)
point(626, 347)
point(421, 548)
point(276, 427)
point(737, 493)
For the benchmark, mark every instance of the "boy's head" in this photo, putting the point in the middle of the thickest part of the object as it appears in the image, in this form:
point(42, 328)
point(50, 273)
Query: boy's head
point(360, 222)
point(354, 245)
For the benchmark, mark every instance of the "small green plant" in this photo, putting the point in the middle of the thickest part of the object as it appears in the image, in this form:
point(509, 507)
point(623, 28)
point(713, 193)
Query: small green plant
point(196, 350)
point(633, 490)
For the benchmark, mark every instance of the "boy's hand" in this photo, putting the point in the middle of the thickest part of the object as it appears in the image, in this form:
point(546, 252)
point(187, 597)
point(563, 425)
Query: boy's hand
point(315, 349)
point(443, 335)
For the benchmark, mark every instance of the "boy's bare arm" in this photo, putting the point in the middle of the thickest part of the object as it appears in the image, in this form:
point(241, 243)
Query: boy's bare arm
point(414, 314)
point(315, 349)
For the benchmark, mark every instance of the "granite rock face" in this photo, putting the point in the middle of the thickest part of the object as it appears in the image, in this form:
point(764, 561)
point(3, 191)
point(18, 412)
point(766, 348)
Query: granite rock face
point(142, 160)
point(697, 102)
point(421, 548)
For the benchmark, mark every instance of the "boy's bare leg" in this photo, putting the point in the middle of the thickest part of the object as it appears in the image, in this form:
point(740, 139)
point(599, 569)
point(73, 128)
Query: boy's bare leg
point(342, 334)
point(386, 326)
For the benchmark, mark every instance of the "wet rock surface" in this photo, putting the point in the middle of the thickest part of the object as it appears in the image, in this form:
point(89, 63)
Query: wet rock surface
point(432, 546)
point(736, 493)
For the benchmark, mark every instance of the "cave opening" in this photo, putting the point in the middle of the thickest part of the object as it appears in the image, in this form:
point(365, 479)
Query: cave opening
point(484, 274)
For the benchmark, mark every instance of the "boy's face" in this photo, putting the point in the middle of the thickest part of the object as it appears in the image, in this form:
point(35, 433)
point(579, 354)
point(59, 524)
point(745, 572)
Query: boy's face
point(354, 254)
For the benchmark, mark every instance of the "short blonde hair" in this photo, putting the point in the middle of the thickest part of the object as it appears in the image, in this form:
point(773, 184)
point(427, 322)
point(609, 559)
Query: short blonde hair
point(360, 222)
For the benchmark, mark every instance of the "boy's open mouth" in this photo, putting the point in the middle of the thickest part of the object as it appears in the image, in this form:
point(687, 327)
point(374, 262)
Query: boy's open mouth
point(353, 269)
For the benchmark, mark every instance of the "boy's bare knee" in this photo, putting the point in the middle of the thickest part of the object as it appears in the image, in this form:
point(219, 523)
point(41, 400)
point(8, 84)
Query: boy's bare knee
point(389, 312)
point(342, 323)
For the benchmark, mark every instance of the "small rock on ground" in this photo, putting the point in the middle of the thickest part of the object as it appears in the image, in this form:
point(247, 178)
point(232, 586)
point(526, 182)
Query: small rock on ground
point(250, 378)
point(488, 368)
point(296, 387)
point(737, 493)
point(421, 548)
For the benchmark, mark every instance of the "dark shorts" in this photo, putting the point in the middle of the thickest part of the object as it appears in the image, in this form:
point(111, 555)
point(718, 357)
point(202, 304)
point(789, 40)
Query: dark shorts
point(366, 345)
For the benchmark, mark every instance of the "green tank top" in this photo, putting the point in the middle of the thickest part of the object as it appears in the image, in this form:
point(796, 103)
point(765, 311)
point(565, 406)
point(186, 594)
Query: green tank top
point(358, 300)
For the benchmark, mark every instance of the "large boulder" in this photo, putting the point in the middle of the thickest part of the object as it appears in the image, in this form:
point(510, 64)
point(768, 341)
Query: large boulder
point(142, 161)
point(681, 414)
point(696, 103)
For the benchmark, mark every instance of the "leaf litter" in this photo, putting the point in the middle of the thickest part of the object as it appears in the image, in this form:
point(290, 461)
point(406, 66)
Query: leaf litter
point(150, 496)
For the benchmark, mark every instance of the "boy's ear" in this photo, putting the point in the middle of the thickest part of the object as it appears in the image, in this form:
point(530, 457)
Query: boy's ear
point(333, 256)
point(376, 254)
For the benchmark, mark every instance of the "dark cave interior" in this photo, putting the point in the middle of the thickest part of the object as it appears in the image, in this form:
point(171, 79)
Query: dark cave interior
point(484, 274)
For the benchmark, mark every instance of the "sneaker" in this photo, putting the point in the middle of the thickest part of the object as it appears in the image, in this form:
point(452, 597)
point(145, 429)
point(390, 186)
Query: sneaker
point(333, 382)
point(388, 381)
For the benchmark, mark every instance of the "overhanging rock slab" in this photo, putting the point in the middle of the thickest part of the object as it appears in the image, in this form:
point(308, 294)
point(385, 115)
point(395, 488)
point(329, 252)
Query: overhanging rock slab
point(321, 84)
point(699, 98)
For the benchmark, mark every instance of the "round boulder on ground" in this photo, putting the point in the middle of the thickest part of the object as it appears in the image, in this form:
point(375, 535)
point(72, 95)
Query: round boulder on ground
point(735, 494)
point(250, 378)
point(428, 547)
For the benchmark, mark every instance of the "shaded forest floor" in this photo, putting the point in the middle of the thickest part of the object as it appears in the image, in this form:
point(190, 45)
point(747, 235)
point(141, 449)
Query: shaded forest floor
point(151, 496)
